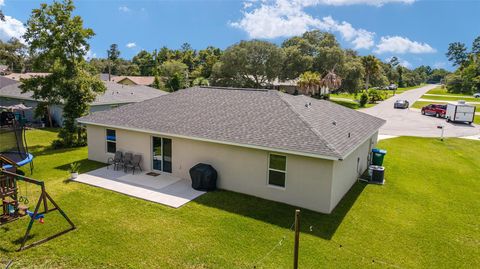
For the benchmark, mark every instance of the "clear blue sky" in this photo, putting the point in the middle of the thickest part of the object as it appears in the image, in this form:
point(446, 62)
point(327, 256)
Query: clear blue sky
point(418, 32)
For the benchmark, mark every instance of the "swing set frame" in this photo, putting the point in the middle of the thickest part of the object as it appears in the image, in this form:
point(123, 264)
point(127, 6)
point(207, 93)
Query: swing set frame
point(9, 189)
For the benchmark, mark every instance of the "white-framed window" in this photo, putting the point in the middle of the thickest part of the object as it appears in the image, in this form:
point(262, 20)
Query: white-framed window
point(277, 170)
point(111, 139)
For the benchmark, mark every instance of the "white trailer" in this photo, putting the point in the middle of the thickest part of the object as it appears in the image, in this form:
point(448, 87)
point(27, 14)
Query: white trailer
point(460, 112)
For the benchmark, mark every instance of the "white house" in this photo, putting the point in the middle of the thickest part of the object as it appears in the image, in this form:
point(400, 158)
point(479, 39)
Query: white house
point(291, 149)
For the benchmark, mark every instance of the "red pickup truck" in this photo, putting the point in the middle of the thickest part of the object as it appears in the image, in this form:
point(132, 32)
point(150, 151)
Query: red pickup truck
point(435, 110)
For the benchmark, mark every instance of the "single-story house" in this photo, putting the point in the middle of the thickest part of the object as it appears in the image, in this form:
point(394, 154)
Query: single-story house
point(115, 95)
point(4, 70)
point(291, 149)
point(19, 76)
point(133, 80)
point(6, 81)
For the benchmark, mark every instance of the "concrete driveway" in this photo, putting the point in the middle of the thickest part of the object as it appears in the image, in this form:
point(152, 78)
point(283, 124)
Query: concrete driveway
point(410, 122)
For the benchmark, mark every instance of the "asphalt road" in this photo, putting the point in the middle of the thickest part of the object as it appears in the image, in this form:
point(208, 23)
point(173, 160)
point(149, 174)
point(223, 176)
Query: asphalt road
point(410, 122)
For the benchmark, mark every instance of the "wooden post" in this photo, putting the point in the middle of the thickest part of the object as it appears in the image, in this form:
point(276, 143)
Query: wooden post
point(297, 239)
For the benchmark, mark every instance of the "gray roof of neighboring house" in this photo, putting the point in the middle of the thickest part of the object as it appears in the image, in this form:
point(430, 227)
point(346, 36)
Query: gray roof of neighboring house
point(6, 81)
point(115, 93)
point(247, 117)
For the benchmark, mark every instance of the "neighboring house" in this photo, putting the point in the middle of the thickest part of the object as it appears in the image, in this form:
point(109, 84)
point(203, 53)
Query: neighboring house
point(133, 80)
point(115, 95)
point(4, 81)
point(288, 86)
point(18, 76)
point(4, 70)
point(291, 149)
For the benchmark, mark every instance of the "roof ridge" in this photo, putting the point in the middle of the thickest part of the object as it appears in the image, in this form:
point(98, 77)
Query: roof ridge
point(233, 88)
point(315, 131)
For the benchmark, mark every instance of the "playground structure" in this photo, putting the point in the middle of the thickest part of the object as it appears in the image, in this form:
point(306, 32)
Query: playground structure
point(13, 143)
point(15, 205)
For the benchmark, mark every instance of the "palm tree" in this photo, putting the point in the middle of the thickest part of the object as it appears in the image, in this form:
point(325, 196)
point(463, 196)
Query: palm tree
point(330, 81)
point(372, 67)
point(309, 81)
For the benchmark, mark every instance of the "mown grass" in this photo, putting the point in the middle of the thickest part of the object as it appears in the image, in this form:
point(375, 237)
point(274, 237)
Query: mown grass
point(425, 216)
point(443, 91)
point(353, 104)
point(450, 98)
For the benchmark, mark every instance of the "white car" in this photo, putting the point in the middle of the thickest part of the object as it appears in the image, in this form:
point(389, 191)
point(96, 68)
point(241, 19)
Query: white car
point(476, 95)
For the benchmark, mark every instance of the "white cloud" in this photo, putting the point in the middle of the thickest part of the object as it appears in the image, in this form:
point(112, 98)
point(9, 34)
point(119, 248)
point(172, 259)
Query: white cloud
point(405, 63)
point(439, 65)
point(401, 45)
point(354, 2)
point(359, 38)
point(11, 27)
point(401, 62)
point(90, 55)
point(2, 3)
point(282, 18)
point(131, 45)
point(124, 8)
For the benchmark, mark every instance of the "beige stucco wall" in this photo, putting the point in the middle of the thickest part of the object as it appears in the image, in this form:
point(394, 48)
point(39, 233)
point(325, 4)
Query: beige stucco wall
point(346, 172)
point(311, 183)
point(244, 170)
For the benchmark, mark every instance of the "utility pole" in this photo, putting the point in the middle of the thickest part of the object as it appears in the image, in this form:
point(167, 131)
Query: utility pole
point(297, 239)
point(109, 70)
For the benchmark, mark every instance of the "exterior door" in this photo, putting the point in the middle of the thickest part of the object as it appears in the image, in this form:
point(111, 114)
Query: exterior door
point(162, 154)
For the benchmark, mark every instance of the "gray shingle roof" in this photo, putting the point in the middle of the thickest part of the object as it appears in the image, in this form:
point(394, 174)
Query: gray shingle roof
point(6, 81)
point(115, 93)
point(257, 118)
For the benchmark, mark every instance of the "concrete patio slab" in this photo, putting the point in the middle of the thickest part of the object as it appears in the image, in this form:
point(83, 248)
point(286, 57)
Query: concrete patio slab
point(163, 189)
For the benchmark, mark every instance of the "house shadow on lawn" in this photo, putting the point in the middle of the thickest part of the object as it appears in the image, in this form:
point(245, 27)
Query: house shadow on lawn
point(282, 215)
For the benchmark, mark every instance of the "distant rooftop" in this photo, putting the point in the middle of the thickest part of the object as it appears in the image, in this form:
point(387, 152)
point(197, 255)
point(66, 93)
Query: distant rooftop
point(18, 76)
point(115, 93)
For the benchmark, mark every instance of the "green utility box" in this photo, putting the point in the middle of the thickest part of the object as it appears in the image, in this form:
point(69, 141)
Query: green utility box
point(377, 156)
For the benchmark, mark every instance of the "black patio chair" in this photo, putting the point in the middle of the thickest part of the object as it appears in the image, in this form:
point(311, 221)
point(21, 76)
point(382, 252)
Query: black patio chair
point(115, 160)
point(134, 163)
point(127, 158)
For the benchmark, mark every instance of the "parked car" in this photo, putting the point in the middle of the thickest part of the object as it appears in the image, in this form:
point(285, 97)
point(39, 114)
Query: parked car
point(401, 104)
point(392, 87)
point(435, 110)
point(476, 95)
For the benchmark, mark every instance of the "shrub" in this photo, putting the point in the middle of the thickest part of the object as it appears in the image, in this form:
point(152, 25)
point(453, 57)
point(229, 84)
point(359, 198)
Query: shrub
point(363, 99)
point(376, 95)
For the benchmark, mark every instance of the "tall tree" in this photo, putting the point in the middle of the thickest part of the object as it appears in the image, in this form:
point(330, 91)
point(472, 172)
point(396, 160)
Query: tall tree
point(59, 38)
point(113, 54)
point(476, 46)
point(457, 53)
point(252, 63)
point(14, 54)
point(145, 62)
point(372, 66)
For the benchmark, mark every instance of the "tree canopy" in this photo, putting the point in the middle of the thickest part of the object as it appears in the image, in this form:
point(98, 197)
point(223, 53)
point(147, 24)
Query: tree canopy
point(466, 79)
point(59, 39)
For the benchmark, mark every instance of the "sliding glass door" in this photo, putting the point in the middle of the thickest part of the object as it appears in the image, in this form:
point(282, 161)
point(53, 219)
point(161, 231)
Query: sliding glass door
point(162, 154)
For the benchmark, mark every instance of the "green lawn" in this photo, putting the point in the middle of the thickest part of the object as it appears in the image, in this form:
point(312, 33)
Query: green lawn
point(351, 104)
point(443, 91)
point(425, 216)
point(354, 98)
